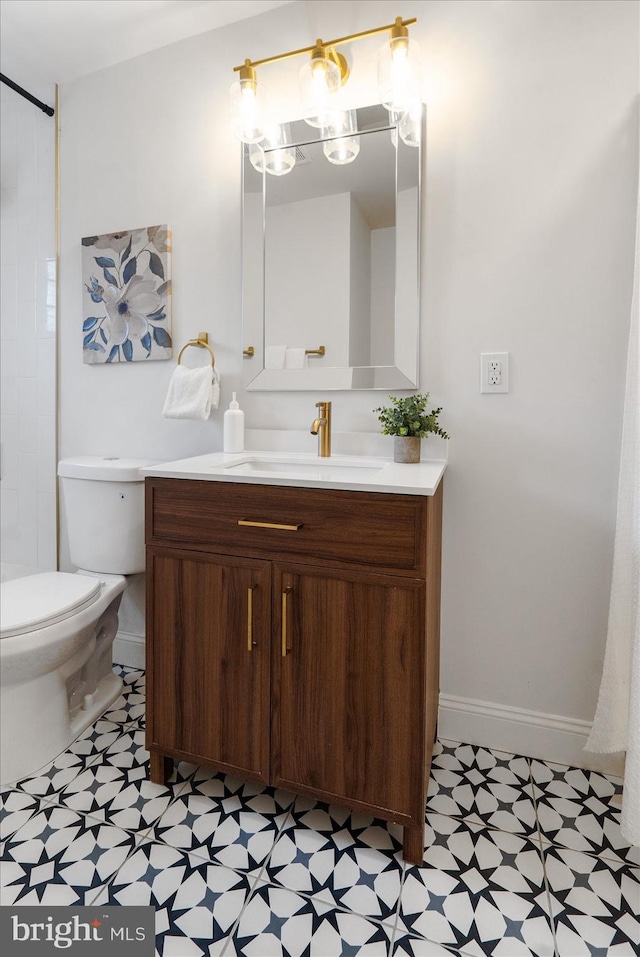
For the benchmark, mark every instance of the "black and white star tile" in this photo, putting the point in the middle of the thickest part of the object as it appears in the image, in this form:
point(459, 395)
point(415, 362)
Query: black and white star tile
point(280, 923)
point(16, 807)
point(596, 904)
point(196, 902)
point(115, 787)
point(480, 891)
point(577, 809)
point(347, 859)
point(482, 786)
point(130, 706)
point(222, 818)
point(59, 857)
point(519, 854)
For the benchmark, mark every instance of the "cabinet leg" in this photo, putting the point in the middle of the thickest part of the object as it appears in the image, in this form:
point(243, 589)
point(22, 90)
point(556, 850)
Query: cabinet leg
point(413, 845)
point(160, 768)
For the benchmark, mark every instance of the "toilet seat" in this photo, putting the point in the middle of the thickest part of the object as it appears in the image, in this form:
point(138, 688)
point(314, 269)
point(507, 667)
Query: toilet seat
point(36, 601)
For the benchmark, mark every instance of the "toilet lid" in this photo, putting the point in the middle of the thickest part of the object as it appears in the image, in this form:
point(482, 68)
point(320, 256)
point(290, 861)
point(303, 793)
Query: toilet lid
point(38, 600)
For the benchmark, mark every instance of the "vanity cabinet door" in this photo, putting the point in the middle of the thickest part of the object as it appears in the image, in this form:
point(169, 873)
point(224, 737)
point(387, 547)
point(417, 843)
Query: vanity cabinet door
point(349, 689)
point(209, 661)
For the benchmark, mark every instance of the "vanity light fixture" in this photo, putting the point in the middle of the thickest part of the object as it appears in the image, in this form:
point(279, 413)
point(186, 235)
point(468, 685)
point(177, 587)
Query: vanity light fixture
point(274, 154)
point(340, 145)
point(321, 77)
point(247, 106)
point(399, 72)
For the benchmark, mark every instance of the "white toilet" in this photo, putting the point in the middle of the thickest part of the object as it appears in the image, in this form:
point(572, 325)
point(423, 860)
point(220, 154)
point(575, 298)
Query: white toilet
point(57, 628)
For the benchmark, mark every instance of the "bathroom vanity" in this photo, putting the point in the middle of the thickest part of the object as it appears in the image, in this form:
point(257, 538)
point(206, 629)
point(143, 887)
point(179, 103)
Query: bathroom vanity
point(293, 627)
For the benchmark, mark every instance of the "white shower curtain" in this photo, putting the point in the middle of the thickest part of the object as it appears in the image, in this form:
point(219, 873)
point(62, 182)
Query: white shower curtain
point(616, 726)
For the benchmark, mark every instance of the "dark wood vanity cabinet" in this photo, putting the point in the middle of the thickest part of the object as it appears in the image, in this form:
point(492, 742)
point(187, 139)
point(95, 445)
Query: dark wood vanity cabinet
point(292, 638)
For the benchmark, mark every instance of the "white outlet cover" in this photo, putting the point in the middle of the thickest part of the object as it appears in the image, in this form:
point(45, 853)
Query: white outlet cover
point(487, 369)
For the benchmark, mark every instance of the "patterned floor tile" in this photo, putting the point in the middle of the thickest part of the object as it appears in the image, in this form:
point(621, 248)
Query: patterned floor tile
point(596, 904)
point(60, 858)
point(52, 779)
point(16, 807)
point(482, 786)
point(480, 891)
point(278, 923)
point(222, 818)
point(130, 706)
point(419, 947)
point(575, 811)
point(196, 903)
point(116, 786)
point(96, 739)
point(347, 859)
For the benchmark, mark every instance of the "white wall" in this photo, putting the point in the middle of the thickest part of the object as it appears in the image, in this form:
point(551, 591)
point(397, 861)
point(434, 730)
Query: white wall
point(319, 256)
point(360, 318)
point(27, 334)
point(383, 271)
point(530, 179)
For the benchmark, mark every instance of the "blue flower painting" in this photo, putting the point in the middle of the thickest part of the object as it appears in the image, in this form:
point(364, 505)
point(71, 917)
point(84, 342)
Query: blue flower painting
point(127, 296)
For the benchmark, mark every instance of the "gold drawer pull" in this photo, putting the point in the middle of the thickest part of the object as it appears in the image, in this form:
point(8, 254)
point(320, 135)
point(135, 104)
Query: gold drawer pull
point(250, 618)
point(285, 593)
point(288, 528)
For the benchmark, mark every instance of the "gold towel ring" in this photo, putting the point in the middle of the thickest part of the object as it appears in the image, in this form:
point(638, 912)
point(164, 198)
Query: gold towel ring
point(202, 342)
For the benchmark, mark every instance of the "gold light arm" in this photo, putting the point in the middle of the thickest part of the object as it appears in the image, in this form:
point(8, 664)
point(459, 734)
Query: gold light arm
point(326, 43)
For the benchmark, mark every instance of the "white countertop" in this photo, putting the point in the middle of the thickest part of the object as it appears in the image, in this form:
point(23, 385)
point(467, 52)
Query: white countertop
point(307, 470)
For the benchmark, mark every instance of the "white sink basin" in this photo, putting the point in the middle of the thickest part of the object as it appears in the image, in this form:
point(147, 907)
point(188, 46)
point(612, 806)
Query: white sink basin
point(306, 467)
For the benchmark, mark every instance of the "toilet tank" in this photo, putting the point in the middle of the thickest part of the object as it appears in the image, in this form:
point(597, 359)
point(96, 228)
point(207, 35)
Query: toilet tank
point(104, 506)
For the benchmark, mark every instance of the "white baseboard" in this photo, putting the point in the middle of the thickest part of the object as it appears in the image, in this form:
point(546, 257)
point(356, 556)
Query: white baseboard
point(128, 650)
point(549, 737)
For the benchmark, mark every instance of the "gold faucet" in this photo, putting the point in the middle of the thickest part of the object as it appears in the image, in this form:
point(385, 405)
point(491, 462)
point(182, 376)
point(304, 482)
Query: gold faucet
point(322, 428)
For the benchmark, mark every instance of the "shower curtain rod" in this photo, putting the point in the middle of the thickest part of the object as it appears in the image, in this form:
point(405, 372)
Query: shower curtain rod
point(14, 86)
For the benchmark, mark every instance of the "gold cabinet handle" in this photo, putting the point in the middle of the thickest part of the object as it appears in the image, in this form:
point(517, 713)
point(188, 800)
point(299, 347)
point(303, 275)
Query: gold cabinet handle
point(285, 594)
point(250, 618)
point(288, 528)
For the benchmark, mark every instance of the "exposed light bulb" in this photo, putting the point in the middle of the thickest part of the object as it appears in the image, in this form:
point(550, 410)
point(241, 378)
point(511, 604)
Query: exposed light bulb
point(399, 73)
point(273, 155)
point(339, 149)
point(320, 81)
point(247, 107)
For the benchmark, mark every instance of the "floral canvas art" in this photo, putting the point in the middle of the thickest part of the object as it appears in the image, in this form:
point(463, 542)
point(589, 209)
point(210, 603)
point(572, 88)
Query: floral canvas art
point(127, 296)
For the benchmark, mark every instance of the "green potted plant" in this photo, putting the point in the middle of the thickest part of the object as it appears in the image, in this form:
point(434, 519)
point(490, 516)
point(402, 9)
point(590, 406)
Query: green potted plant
point(408, 421)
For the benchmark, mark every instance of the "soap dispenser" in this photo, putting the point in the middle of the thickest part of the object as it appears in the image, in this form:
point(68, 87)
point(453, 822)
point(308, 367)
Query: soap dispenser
point(233, 427)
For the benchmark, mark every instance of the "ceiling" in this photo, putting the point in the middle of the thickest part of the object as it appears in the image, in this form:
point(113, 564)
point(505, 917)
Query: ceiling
point(44, 41)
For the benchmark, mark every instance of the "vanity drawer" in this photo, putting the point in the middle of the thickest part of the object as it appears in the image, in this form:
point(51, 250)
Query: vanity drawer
point(384, 531)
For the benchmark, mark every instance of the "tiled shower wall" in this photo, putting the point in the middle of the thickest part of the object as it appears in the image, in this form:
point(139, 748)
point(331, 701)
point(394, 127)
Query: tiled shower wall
point(28, 335)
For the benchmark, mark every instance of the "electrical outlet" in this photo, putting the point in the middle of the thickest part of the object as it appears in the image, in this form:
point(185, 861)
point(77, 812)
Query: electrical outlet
point(494, 371)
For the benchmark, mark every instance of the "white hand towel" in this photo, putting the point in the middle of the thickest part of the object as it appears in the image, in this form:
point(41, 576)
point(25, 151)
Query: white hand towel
point(274, 357)
point(296, 359)
point(190, 393)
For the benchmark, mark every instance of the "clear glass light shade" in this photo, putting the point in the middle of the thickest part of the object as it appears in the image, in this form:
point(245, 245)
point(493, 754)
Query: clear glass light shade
point(341, 146)
point(399, 74)
point(247, 112)
point(273, 155)
point(319, 84)
point(410, 126)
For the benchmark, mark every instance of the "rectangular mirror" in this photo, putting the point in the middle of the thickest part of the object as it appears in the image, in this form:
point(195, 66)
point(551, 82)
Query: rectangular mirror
point(331, 260)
